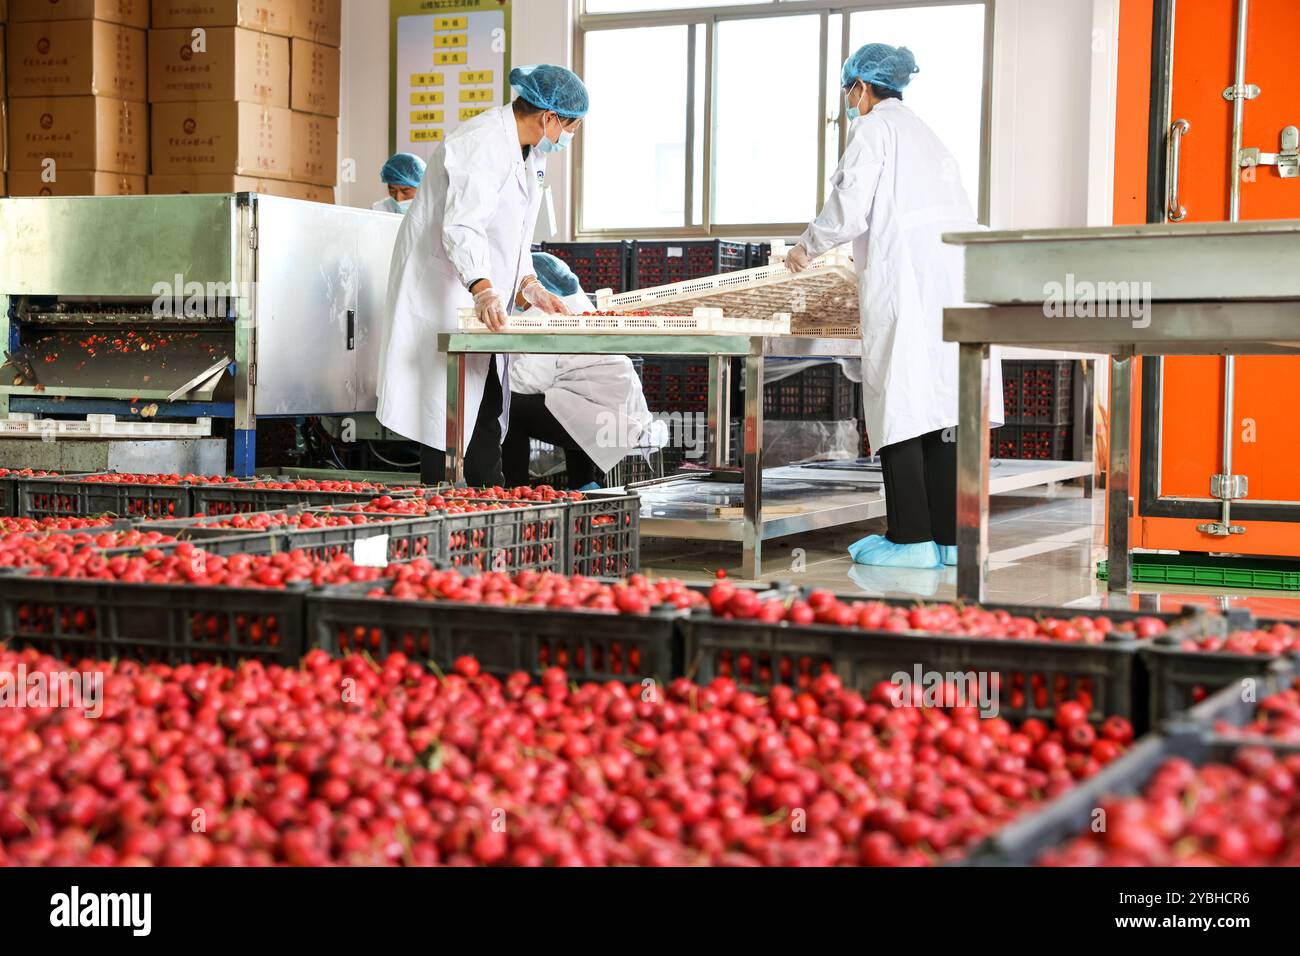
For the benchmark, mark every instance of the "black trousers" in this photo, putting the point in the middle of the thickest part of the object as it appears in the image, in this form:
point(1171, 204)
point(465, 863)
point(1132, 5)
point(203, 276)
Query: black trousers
point(921, 488)
point(529, 419)
point(483, 454)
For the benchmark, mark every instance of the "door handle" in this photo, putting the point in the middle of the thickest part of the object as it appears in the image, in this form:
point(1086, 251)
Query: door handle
point(1176, 211)
point(352, 329)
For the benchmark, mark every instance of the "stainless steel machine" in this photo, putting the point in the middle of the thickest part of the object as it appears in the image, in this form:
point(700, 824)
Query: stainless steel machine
point(232, 307)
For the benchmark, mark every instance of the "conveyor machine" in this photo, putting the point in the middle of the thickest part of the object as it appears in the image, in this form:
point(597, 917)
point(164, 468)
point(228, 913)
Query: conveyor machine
point(228, 307)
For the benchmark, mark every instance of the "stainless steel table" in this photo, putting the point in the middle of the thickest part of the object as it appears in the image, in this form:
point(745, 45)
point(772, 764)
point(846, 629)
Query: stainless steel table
point(700, 513)
point(749, 528)
point(1169, 328)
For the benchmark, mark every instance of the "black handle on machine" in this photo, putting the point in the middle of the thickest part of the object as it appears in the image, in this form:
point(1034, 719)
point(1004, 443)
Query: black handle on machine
point(352, 329)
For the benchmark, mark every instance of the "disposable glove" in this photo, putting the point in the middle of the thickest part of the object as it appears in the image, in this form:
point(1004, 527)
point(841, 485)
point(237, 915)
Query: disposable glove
point(489, 308)
point(536, 294)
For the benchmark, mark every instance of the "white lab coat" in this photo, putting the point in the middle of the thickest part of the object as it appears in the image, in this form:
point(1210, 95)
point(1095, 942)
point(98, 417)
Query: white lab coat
point(597, 398)
point(473, 218)
point(897, 190)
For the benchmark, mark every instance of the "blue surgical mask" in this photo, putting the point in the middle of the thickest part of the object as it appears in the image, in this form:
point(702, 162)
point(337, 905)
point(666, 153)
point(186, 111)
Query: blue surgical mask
point(546, 146)
point(403, 206)
point(852, 112)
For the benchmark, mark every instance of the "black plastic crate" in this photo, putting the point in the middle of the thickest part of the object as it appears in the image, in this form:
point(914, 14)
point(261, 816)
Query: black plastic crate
point(1033, 442)
point(170, 623)
point(598, 265)
point(1229, 705)
point(1024, 841)
point(821, 393)
point(663, 263)
point(511, 539)
point(66, 497)
point(758, 254)
point(1181, 679)
point(243, 498)
point(676, 385)
point(1035, 675)
point(604, 536)
point(590, 645)
point(9, 490)
point(1040, 392)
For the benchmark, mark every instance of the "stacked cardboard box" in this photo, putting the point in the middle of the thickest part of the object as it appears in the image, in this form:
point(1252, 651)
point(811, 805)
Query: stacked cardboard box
point(221, 85)
point(77, 120)
point(314, 93)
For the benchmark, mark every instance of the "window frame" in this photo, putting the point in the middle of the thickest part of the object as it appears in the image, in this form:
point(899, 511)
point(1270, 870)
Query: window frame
point(709, 18)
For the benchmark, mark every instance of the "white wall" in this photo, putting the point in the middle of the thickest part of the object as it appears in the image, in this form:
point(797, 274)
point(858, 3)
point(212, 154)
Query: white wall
point(542, 33)
point(1052, 123)
point(1053, 112)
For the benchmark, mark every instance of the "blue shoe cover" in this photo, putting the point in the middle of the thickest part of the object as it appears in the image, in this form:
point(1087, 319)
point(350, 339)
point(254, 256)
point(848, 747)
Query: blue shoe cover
point(879, 551)
point(590, 486)
point(949, 554)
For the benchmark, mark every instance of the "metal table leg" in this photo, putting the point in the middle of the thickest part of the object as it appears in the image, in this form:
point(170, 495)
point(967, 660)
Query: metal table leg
point(1085, 421)
point(753, 462)
point(455, 407)
point(1117, 476)
point(972, 471)
point(719, 436)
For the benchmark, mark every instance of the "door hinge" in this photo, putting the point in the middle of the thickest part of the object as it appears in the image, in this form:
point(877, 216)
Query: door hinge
point(1220, 530)
point(1248, 92)
point(1229, 487)
point(252, 238)
point(252, 373)
point(1287, 159)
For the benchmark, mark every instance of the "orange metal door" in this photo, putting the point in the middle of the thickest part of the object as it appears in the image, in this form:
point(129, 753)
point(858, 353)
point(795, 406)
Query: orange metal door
point(1182, 444)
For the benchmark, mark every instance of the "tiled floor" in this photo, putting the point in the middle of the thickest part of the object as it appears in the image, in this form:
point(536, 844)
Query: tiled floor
point(1044, 545)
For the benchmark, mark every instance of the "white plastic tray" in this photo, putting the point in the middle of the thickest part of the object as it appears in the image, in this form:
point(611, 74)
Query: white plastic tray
point(22, 425)
point(694, 322)
point(822, 300)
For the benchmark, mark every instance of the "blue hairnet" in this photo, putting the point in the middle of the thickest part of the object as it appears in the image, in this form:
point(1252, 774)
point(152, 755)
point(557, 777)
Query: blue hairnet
point(555, 274)
point(879, 63)
point(403, 169)
point(551, 88)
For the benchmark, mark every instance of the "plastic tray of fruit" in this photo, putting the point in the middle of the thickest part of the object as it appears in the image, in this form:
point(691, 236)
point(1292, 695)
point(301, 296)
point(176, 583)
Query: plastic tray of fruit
point(1184, 799)
point(9, 478)
point(591, 629)
point(1035, 656)
point(1185, 669)
point(696, 322)
point(271, 494)
point(120, 495)
point(185, 606)
point(604, 536)
point(1265, 706)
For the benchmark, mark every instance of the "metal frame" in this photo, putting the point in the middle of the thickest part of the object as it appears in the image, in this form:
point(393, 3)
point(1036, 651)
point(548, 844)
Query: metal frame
point(709, 17)
point(1240, 327)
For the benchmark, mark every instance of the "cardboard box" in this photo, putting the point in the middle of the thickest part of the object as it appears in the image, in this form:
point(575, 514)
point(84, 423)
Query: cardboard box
point(78, 133)
point(265, 16)
point(198, 185)
point(82, 183)
point(314, 78)
point(131, 13)
point(314, 156)
point(76, 58)
point(243, 139)
point(320, 21)
point(4, 186)
point(237, 64)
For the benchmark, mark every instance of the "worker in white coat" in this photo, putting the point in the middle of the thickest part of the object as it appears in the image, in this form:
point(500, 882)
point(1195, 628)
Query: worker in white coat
point(591, 406)
point(401, 175)
point(895, 193)
point(467, 241)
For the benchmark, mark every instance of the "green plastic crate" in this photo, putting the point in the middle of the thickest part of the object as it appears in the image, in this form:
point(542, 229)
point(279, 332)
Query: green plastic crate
point(1204, 571)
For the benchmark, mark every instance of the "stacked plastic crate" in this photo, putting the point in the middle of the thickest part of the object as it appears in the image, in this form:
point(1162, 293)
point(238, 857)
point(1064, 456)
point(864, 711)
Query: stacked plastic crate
point(1039, 400)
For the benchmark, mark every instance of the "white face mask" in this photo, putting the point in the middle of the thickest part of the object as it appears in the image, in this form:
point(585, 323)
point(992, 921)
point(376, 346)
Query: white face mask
point(392, 205)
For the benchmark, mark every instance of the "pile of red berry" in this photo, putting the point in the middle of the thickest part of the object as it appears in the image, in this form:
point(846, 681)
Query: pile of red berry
point(205, 765)
point(1246, 813)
